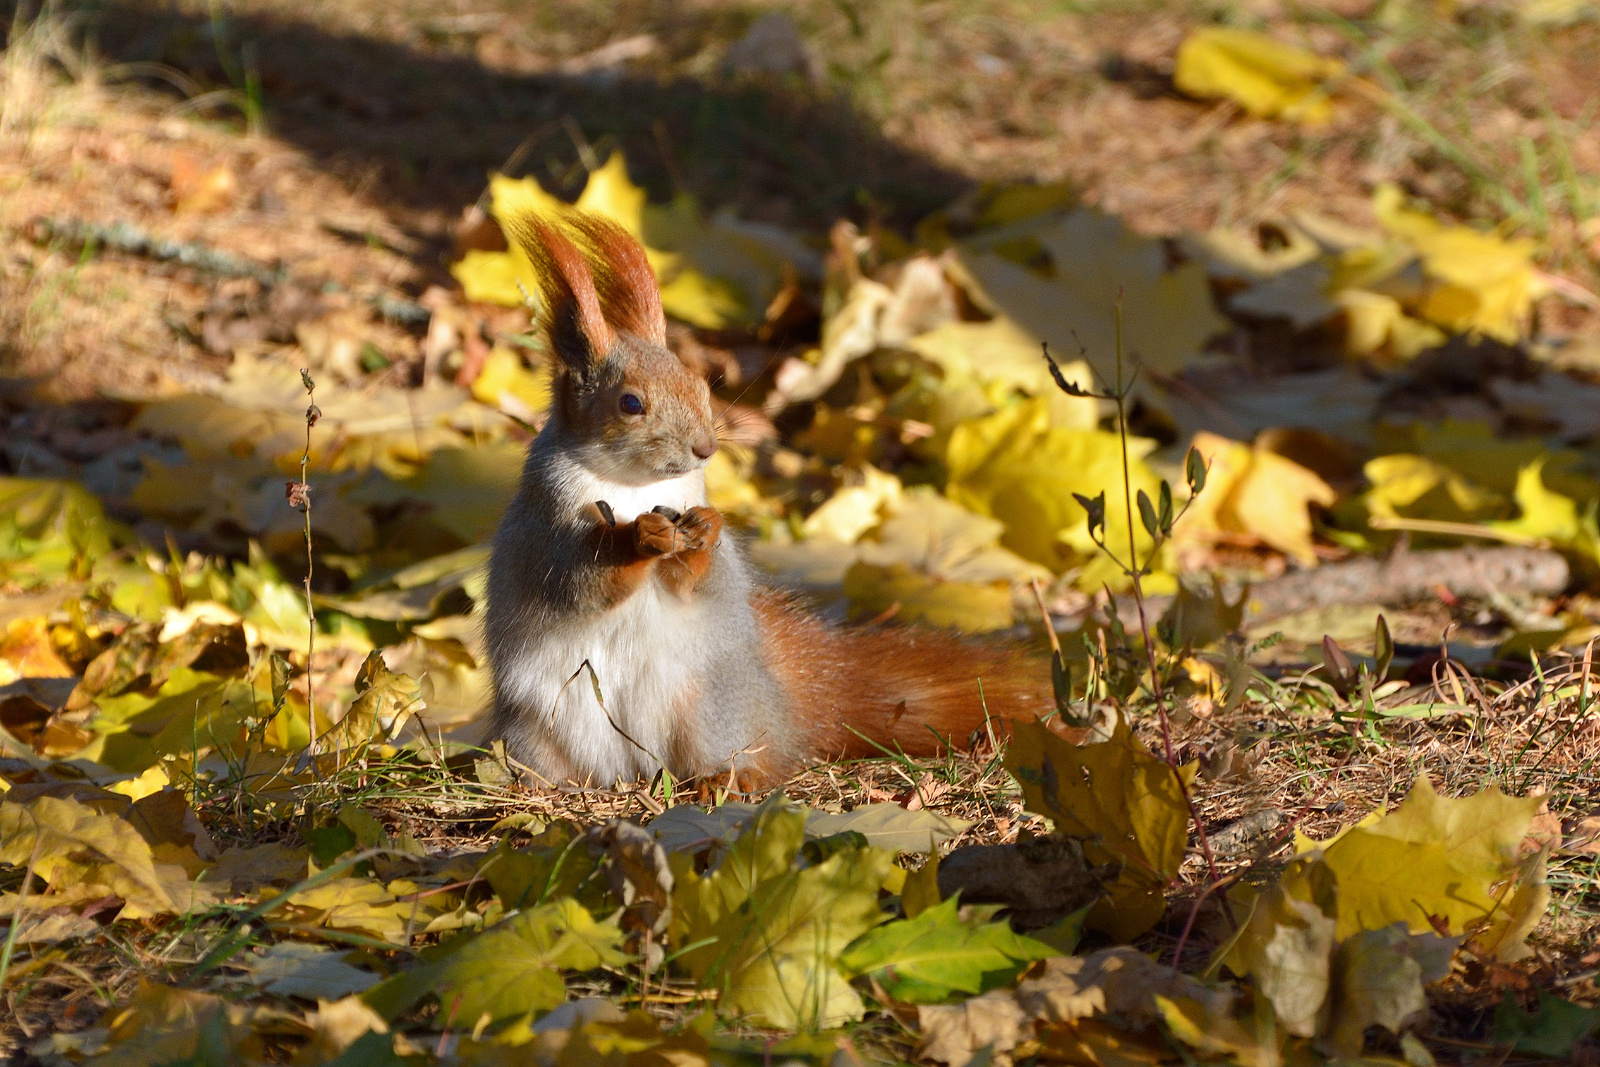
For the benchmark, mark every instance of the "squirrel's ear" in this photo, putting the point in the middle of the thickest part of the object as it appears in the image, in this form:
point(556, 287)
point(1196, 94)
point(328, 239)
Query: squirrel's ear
point(595, 279)
point(578, 330)
point(629, 297)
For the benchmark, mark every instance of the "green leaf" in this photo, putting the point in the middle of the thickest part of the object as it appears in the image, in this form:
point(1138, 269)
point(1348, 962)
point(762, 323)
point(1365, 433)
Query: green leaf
point(508, 970)
point(773, 933)
point(1383, 649)
point(1194, 471)
point(49, 530)
point(1147, 514)
point(928, 959)
point(1551, 1031)
point(1061, 686)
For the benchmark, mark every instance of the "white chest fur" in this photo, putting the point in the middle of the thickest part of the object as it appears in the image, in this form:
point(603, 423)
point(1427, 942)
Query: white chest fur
point(646, 654)
point(628, 502)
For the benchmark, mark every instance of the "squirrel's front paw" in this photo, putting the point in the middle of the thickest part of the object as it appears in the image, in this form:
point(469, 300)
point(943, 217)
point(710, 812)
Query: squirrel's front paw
point(655, 535)
point(699, 528)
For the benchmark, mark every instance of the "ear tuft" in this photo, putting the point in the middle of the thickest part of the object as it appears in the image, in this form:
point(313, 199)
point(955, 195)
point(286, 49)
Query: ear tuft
point(627, 283)
point(594, 278)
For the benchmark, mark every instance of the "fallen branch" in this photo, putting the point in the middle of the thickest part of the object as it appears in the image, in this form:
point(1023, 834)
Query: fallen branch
point(1473, 572)
point(129, 240)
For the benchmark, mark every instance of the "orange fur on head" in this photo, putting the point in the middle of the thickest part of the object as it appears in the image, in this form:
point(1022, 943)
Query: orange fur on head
point(594, 278)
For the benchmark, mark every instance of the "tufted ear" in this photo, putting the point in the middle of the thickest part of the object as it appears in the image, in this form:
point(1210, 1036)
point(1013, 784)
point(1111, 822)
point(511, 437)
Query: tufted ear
point(629, 297)
point(595, 281)
point(578, 331)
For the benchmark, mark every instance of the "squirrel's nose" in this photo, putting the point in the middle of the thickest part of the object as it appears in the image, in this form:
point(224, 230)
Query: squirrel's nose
point(705, 447)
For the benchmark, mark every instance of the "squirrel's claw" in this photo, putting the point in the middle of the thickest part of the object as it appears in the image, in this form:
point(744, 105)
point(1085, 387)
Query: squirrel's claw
point(700, 527)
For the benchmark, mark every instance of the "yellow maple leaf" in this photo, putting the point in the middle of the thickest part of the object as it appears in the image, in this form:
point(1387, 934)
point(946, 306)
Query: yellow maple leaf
point(507, 278)
point(1544, 514)
point(1374, 321)
point(1128, 803)
point(1482, 282)
point(1416, 487)
point(506, 384)
point(1267, 78)
point(1095, 263)
point(1001, 352)
point(852, 510)
point(1016, 467)
point(1259, 493)
point(1432, 858)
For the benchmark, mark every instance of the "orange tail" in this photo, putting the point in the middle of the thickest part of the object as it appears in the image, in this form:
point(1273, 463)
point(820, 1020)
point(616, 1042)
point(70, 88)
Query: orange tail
point(919, 690)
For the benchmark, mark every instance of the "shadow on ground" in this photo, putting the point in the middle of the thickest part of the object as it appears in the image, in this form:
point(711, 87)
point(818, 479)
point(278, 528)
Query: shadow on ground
point(419, 127)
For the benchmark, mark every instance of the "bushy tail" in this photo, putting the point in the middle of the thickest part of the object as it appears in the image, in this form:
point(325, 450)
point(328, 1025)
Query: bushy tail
point(920, 691)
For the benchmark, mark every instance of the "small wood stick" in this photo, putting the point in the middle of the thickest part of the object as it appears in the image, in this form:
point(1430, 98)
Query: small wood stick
point(1044, 613)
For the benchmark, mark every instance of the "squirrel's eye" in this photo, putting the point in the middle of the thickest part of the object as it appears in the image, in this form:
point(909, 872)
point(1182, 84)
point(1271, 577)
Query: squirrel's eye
point(630, 404)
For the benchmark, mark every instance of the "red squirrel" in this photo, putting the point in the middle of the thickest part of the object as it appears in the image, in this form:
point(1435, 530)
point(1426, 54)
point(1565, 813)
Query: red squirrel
point(610, 556)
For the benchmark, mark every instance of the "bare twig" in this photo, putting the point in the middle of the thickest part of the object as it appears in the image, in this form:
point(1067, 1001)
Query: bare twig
point(299, 494)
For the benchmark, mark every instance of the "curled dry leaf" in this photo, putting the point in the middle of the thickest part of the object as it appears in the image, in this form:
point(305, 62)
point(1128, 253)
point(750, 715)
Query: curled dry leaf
point(640, 877)
point(1120, 982)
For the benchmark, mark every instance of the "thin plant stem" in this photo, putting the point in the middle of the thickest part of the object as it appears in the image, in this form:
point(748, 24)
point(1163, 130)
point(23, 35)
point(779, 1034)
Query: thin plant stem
point(301, 496)
point(1135, 570)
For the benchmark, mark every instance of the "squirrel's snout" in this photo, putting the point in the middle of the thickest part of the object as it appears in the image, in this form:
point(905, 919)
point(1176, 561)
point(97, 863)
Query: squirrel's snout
point(705, 447)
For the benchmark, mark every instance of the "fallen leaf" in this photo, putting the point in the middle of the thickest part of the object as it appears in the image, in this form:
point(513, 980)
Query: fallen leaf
point(1002, 353)
point(504, 383)
point(49, 530)
point(1126, 803)
point(1481, 282)
point(299, 969)
point(84, 855)
point(1432, 859)
point(926, 959)
point(507, 971)
point(1098, 265)
point(383, 702)
point(1257, 493)
point(1265, 77)
point(778, 931)
point(685, 828)
point(1380, 982)
point(1015, 467)
point(1551, 1030)
point(465, 490)
point(852, 510)
point(957, 1034)
point(1286, 947)
point(1119, 982)
point(26, 651)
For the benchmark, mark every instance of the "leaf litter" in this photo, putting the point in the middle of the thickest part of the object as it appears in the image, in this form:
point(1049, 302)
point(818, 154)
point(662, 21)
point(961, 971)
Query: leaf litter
point(389, 893)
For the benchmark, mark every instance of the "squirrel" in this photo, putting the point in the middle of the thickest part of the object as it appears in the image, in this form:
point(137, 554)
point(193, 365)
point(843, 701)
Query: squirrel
point(625, 630)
